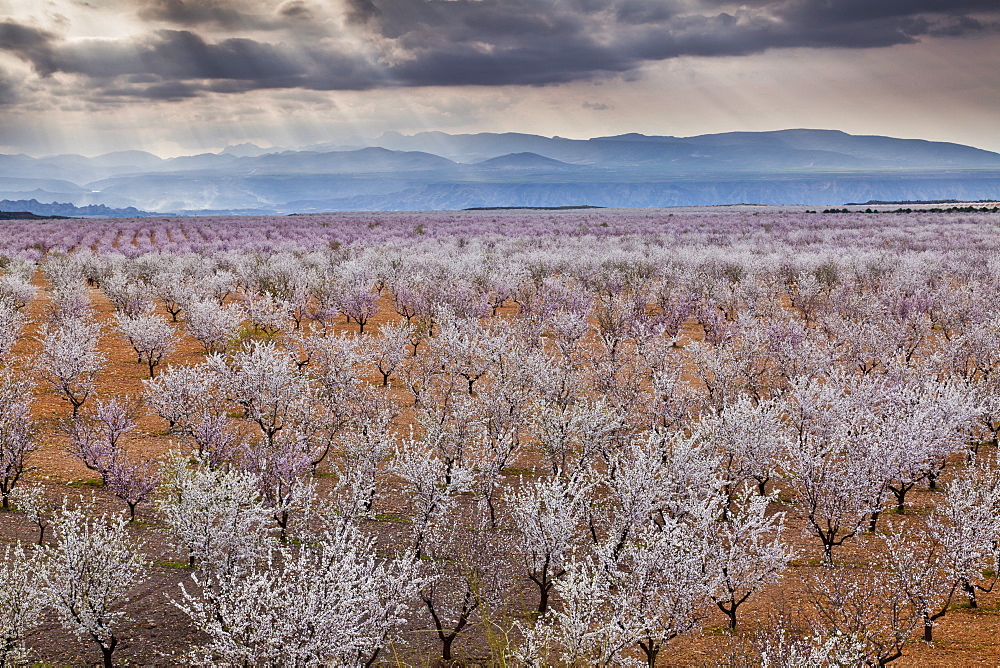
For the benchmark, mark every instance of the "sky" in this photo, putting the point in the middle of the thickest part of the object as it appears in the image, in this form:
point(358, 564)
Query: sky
point(182, 76)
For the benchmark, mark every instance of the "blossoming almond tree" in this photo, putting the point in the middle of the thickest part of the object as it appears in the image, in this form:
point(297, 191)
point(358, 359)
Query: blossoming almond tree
point(966, 525)
point(70, 362)
point(98, 442)
point(88, 574)
point(654, 590)
point(431, 484)
point(21, 602)
point(747, 553)
point(331, 602)
point(465, 574)
point(12, 321)
point(150, 336)
point(547, 515)
point(17, 434)
point(217, 516)
point(213, 324)
point(36, 506)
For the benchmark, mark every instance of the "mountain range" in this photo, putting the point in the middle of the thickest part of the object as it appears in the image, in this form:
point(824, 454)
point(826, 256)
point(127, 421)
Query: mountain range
point(435, 170)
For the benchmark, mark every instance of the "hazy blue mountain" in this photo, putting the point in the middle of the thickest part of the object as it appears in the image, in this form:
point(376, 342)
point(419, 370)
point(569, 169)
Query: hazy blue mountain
point(133, 159)
point(77, 168)
point(187, 163)
point(433, 170)
point(366, 160)
point(805, 190)
point(68, 210)
point(785, 149)
point(917, 153)
point(469, 148)
point(526, 160)
point(23, 184)
point(247, 150)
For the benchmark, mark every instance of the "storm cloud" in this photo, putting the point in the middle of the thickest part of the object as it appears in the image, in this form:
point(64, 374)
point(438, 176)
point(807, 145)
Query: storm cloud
point(30, 44)
point(193, 46)
point(8, 93)
point(216, 14)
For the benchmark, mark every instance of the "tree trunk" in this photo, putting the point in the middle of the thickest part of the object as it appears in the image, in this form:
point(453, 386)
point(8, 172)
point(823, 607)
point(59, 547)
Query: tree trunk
point(107, 651)
point(446, 643)
point(448, 639)
point(900, 494)
point(491, 507)
point(543, 599)
point(541, 579)
point(970, 592)
point(650, 648)
point(283, 525)
point(729, 611)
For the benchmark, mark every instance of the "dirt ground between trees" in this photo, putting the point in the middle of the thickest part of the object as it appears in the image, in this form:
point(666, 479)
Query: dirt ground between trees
point(159, 632)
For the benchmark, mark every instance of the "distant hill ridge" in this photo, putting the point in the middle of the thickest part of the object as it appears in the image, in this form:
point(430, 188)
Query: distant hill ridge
point(61, 210)
point(525, 160)
point(436, 170)
point(27, 215)
point(920, 201)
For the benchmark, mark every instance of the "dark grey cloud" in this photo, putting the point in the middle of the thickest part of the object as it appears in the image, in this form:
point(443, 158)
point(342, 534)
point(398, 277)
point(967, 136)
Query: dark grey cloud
point(424, 23)
point(30, 44)
point(179, 55)
point(852, 12)
point(362, 11)
point(8, 92)
point(643, 11)
point(170, 91)
point(177, 64)
point(464, 42)
point(295, 9)
point(193, 13)
point(235, 15)
point(492, 42)
point(956, 26)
